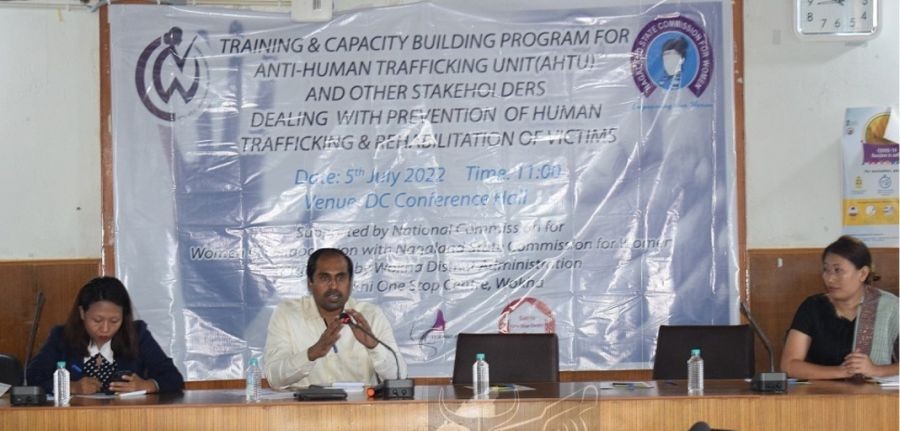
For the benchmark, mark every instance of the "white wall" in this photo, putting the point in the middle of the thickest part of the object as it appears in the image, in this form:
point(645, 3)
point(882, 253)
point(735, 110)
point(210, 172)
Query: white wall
point(795, 96)
point(49, 134)
point(795, 92)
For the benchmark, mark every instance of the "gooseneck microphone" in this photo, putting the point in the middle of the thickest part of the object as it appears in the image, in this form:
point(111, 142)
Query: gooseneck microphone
point(30, 395)
point(762, 336)
point(398, 388)
point(348, 320)
point(771, 381)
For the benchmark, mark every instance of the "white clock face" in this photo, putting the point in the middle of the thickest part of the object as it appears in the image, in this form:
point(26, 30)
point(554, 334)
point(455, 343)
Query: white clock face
point(836, 18)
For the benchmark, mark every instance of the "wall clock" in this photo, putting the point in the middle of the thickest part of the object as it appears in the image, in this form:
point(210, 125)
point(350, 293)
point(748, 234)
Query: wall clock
point(836, 19)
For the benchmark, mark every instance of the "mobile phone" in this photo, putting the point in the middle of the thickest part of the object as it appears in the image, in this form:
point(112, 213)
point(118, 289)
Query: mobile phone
point(119, 374)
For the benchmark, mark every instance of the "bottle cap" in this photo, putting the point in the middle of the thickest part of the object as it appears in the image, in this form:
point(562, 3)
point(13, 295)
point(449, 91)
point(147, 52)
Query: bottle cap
point(61, 364)
point(695, 352)
point(479, 356)
point(253, 361)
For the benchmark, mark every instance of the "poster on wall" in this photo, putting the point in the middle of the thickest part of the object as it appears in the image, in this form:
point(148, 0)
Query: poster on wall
point(535, 169)
point(871, 155)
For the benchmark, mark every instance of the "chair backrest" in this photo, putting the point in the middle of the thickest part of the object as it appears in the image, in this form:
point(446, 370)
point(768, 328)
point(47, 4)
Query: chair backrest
point(513, 358)
point(727, 351)
point(10, 370)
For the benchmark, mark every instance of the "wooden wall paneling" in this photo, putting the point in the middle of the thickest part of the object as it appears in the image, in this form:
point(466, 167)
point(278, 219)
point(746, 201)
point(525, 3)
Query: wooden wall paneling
point(16, 309)
point(60, 284)
point(21, 280)
point(780, 279)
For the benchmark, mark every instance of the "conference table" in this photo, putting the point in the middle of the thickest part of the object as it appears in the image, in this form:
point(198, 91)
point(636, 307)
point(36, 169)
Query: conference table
point(726, 404)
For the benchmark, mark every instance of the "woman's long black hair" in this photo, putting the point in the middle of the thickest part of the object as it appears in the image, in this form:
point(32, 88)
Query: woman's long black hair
point(124, 342)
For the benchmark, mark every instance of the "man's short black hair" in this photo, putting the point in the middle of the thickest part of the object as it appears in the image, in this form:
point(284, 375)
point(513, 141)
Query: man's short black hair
point(314, 260)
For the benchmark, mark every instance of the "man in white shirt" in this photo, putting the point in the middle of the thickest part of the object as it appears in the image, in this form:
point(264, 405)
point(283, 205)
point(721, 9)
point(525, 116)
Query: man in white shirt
point(308, 344)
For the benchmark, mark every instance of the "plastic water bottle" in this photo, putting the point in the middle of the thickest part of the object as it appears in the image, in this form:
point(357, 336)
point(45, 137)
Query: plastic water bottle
point(61, 385)
point(481, 380)
point(253, 380)
point(695, 373)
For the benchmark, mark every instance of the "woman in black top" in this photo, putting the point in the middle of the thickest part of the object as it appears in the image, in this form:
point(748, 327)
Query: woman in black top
point(851, 329)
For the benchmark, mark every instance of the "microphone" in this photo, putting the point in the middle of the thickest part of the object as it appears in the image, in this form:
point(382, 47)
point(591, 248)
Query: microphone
point(700, 426)
point(30, 395)
point(703, 426)
point(771, 381)
point(348, 320)
point(389, 389)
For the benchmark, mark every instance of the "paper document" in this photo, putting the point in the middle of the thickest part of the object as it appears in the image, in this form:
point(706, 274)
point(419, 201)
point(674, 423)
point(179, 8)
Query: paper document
point(888, 382)
point(349, 386)
point(268, 394)
point(627, 385)
point(97, 396)
point(103, 396)
point(511, 387)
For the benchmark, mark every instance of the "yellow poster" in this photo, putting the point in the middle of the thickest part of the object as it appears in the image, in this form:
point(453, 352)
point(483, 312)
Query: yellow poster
point(871, 156)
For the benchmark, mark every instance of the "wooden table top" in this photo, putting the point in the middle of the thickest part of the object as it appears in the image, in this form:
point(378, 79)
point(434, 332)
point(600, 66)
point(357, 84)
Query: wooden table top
point(539, 392)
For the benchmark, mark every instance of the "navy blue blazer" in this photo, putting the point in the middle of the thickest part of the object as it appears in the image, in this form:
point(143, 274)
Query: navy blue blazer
point(151, 362)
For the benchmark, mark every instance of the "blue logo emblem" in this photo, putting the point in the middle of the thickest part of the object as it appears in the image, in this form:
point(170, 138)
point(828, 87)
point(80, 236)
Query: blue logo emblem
point(672, 53)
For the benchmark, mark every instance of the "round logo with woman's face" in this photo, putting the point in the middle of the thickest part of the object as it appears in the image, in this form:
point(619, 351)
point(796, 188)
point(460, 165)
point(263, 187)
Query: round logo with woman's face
point(671, 54)
point(672, 61)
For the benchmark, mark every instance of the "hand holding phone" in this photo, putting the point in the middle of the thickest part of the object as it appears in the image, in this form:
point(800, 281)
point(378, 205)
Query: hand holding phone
point(120, 374)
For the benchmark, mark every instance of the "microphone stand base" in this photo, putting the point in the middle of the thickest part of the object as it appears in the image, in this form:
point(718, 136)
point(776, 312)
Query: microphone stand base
point(396, 389)
point(27, 396)
point(769, 382)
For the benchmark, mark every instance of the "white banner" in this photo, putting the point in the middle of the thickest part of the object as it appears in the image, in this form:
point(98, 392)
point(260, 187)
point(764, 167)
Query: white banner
point(567, 171)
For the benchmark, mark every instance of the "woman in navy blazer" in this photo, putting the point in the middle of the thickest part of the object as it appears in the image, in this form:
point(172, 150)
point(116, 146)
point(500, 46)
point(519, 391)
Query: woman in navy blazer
point(99, 341)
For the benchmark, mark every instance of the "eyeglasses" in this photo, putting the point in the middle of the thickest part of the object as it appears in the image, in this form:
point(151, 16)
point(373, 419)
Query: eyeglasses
point(325, 278)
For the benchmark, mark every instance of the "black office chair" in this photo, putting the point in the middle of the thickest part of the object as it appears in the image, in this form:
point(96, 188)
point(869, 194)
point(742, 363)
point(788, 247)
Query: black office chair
point(513, 358)
point(727, 351)
point(10, 370)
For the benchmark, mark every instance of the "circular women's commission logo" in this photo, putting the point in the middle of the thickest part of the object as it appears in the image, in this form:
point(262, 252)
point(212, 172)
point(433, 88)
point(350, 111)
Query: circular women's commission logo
point(171, 76)
point(672, 53)
point(527, 315)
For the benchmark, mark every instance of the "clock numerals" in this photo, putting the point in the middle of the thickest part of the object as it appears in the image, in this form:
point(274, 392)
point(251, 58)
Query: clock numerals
point(836, 19)
point(837, 22)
